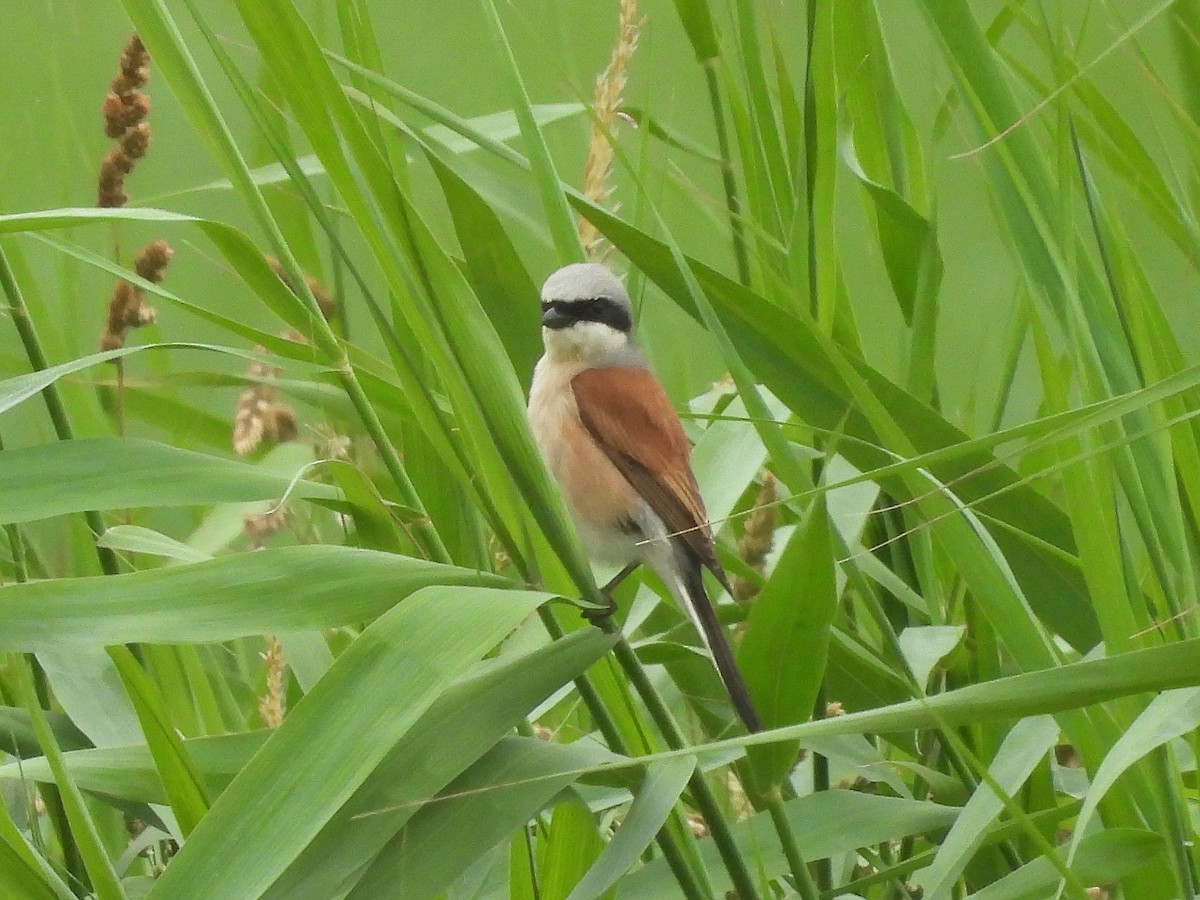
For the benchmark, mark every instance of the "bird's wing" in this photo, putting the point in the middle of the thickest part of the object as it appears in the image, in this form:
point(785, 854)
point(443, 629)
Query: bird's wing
point(629, 416)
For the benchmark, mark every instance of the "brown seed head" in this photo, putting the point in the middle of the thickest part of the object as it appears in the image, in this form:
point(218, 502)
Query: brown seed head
point(122, 305)
point(262, 525)
point(152, 260)
point(280, 425)
point(133, 67)
point(114, 115)
point(110, 187)
point(259, 417)
point(124, 111)
point(324, 300)
point(248, 422)
point(136, 142)
point(758, 538)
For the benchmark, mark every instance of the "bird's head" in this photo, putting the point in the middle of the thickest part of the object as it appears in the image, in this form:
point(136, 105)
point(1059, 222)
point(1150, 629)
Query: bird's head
point(586, 313)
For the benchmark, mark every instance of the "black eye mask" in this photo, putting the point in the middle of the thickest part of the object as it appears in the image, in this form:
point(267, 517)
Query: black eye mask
point(563, 313)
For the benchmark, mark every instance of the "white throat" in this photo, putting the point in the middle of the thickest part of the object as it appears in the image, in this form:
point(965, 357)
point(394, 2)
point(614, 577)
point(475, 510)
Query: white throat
point(589, 342)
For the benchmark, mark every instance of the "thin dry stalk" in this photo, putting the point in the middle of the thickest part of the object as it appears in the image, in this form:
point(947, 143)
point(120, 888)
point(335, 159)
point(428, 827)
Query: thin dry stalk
point(259, 417)
point(758, 538)
point(610, 88)
point(273, 704)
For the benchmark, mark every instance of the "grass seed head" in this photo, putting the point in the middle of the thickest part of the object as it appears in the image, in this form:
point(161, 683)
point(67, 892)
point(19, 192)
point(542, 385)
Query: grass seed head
point(610, 88)
point(124, 108)
point(758, 538)
point(320, 293)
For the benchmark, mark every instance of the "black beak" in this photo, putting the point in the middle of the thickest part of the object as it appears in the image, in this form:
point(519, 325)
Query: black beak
point(553, 317)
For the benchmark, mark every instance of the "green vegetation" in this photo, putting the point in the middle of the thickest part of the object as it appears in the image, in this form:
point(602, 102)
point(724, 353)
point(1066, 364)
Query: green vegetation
point(289, 606)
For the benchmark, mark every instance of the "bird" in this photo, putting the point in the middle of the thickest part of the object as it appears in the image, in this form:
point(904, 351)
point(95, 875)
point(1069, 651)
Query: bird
point(614, 444)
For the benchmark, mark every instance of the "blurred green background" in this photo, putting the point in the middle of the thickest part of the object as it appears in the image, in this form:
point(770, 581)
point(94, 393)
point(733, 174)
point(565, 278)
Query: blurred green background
point(59, 57)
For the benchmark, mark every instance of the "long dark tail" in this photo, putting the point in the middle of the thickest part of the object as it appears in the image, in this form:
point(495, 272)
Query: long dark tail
point(713, 633)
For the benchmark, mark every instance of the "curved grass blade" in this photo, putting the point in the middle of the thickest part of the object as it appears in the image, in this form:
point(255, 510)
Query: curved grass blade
point(1022, 749)
point(180, 777)
point(105, 883)
point(72, 476)
point(466, 721)
point(342, 729)
point(652, 803)
point(489, 802)
point(275, 590)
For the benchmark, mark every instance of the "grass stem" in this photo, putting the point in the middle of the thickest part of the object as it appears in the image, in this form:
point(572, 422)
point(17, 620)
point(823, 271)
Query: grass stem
point(667, 840)
point(32, 345)
point(705, 799)
point(732, 202)
point(805, 885)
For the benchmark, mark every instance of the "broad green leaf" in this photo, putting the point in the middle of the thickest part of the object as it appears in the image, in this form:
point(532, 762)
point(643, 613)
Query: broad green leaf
point(183, 781)
point(288, 589)
point(554, 205)
point(925, 646)
point(118, 473)
point(89, 689)
point(1024, 747)
point(138, 539)
point(128, 772)
point(570, 847)
point(824, 823)
point(491, 800)
point(470, 716)
point(17, 737)
point(1102, 858)
point(498, 278)
point(23, 871)
point(499, 126)
point(1167, 717)
point(783, 650)
point(1065, 687)
point(652, 803)
point(105, 882)
point(16, 390)
point(343, 730)
point(698, 24)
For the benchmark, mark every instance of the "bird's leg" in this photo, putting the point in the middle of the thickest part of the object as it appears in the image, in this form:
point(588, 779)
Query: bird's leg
point(593, 615)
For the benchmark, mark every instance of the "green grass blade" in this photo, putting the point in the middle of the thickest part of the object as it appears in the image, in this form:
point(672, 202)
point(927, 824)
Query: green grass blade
point(493, 799)
point(23, 871)
point(783, 650)
point(71, 476)
point(652, 804)
point(286, 589)
point(413, 652)
point(1025, 746)
point(554, 206)
point(357, 846)
point(183, 781)
point(105, 883)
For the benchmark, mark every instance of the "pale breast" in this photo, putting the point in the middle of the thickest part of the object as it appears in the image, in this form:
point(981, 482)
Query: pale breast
point(598, 497)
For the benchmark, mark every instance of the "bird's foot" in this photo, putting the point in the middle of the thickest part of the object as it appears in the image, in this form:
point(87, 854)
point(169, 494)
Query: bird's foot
point(596, 614)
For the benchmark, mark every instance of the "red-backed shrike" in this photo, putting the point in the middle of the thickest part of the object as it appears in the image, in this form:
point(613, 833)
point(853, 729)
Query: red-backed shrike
point(614, 443)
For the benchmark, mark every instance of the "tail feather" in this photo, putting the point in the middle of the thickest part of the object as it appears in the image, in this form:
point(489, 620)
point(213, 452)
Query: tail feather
point(700, 609)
